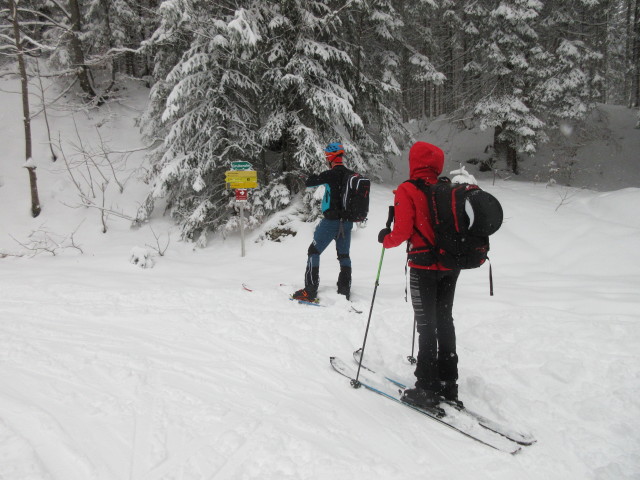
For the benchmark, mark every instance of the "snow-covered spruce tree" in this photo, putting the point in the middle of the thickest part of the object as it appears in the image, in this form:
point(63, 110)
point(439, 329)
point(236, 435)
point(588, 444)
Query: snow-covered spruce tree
point(271, 83)
point(309, 95)
point(371, 33)
point(513, 61)
point(437, 31)
point(572, 80)
point(208, 118)
point(113, 32)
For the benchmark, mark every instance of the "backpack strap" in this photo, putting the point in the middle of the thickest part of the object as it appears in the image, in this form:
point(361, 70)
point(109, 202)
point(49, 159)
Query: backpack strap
point(421, 185)
point(423, 255)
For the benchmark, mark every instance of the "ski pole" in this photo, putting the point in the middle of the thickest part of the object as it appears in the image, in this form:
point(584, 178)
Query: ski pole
point(355, 383)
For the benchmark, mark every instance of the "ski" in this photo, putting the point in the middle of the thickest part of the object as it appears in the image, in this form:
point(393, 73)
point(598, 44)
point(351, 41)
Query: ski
point(306, 302)
point(444, 416)
point(318, 304)
point(354, 309)
point(511, 434)
point(315, 303)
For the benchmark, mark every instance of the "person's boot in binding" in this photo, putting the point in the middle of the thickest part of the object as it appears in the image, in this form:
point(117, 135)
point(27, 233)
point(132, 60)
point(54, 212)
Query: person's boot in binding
point(426, 392)
point(421, 397)
point(448, 373)
point(344, 282)
point(310, 291)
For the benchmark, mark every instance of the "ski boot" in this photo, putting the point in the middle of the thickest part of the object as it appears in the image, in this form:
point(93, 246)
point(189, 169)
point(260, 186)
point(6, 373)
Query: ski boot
point(420, 397)
point(304, 295)
point(449, 392)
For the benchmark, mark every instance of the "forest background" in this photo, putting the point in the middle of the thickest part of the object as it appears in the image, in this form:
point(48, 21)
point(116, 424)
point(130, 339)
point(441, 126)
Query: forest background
point(271, 82)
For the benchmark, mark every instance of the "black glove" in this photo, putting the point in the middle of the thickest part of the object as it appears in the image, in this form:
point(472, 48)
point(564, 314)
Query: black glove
point(383, 233)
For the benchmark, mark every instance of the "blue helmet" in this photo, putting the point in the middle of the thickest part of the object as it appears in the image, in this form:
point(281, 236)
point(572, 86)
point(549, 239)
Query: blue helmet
point(333, 151)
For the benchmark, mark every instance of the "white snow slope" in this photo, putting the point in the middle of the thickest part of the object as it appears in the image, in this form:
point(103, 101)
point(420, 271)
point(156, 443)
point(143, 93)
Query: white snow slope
point(112, 371)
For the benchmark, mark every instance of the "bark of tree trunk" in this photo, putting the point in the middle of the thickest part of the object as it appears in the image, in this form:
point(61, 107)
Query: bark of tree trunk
point(35, 201)
point(77, 54)
point(106, 7)
point(505, 151)
point(635, 89)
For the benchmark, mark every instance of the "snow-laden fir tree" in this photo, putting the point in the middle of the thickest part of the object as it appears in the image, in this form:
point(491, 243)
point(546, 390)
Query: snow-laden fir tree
point(572, 80)
point(107, 29)
point(269, 83)
point(371, 33)
point(306, 102)
point(513, 61)
point(323, 82)
point(436, 30)
point(114, 31)
point(207, 116)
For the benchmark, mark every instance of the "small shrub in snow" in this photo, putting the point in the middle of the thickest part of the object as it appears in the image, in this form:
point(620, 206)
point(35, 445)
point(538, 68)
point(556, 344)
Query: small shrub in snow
point(486, 165)
point(142, 257)
point(276, 234)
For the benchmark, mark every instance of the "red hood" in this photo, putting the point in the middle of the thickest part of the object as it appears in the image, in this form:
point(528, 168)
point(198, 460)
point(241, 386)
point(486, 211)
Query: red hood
point(425, 161)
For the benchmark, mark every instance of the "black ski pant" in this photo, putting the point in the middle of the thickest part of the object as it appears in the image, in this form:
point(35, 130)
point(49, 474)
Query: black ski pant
point(432, 294)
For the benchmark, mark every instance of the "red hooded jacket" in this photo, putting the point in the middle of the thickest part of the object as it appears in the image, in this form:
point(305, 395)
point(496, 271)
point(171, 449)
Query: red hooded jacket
point(411, 212)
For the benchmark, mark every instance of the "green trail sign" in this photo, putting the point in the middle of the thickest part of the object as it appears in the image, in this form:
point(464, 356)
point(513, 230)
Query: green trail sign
point(241, 166)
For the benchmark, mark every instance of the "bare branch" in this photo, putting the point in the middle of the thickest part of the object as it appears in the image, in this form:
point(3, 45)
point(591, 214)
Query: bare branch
point(61, 8)
point(158, 248)
point(64, 92)
point(565, 196)
point(43, 241)
point(107, 210)
point(54, 157)
point(105, 154)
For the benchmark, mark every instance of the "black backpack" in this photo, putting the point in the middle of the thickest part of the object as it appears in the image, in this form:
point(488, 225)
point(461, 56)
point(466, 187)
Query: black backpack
point(462, 216)
point(355, 197)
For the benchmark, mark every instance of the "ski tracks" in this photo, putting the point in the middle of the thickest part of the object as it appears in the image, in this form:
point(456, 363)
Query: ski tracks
point(159, 384)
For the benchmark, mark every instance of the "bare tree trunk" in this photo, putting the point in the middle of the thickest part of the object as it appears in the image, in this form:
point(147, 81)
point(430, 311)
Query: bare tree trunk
point(628, 68)
point(109, 33)
point(77, 54)
point(31, 168)
point(635, 58)
point(603, 33)
point(504, 151)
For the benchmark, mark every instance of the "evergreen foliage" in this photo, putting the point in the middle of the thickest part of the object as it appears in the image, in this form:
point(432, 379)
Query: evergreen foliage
point(272, 84)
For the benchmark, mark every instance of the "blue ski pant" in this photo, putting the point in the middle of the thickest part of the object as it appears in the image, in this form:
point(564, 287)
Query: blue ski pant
point(326, 232)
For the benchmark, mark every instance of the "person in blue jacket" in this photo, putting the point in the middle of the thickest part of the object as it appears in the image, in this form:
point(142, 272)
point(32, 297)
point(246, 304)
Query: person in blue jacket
point(331, 227)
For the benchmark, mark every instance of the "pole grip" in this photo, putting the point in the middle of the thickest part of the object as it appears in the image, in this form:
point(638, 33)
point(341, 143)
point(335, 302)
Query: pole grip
point(391, 216)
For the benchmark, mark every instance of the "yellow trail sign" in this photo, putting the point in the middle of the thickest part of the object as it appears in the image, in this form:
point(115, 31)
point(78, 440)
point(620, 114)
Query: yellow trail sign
point(240, 176)
point(236, 184)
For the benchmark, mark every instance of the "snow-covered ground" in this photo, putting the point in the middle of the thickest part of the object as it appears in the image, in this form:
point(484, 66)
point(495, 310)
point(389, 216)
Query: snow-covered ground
point(112, 371)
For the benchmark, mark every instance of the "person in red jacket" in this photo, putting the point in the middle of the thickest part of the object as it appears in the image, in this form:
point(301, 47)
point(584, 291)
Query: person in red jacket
point(432, 286)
